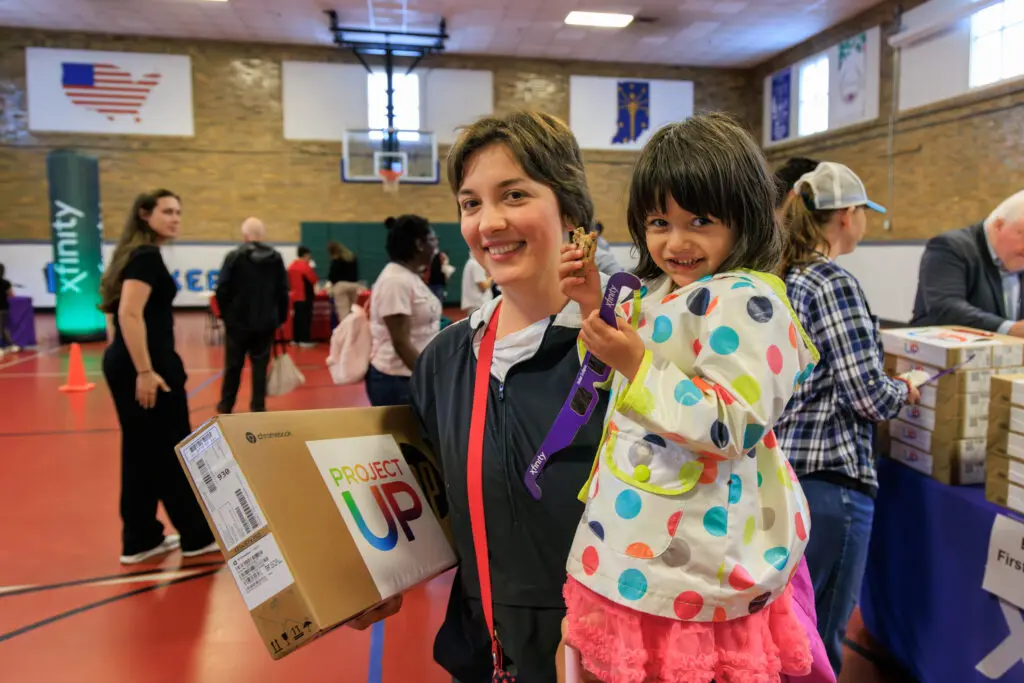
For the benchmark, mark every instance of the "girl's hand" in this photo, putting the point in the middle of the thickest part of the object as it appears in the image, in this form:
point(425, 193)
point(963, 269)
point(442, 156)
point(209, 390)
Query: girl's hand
point(580, 279)
point(621, 348)
point(146, 385)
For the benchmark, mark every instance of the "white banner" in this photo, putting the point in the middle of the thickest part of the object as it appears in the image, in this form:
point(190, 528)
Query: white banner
point(621, 113)
point(129, 93)
point(195, 268)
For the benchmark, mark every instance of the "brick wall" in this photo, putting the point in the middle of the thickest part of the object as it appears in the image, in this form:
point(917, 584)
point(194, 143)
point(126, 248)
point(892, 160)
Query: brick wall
point(952, 162)
point(239, 164)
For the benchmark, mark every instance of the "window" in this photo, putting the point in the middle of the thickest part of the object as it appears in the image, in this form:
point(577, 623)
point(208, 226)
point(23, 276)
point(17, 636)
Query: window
point(812, 110)
point(997, 43)
point(406, 102)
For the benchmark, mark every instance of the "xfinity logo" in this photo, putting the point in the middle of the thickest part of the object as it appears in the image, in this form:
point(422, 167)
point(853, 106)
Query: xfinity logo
point(65, 229)
point(536, 467)
point(253, 438)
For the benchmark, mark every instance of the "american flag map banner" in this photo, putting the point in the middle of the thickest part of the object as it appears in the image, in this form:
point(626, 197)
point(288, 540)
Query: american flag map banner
point(130, 93)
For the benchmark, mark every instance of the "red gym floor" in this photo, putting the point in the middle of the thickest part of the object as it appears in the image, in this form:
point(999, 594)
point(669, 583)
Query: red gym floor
point(70, 612)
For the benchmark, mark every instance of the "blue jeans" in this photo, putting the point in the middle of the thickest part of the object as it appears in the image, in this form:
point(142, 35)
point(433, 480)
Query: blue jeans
point(386, 390)
point(837, 553)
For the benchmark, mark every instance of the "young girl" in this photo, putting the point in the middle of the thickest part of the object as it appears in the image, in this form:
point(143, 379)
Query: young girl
point(694, 520)
point(828, 429)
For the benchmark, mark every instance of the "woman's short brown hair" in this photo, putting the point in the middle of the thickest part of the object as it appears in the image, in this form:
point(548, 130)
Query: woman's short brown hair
point(543, 145)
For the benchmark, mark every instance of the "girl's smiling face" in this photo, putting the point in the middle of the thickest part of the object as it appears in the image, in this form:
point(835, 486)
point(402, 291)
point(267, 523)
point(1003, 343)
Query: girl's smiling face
point(687, 247)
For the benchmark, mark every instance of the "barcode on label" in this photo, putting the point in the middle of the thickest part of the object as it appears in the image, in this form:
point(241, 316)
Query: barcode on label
point(202, 442)
point(249, 520)
point(204, 472)
point(250, 574)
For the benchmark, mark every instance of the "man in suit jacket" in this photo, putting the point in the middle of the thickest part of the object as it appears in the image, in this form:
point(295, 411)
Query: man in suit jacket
point(972, 276)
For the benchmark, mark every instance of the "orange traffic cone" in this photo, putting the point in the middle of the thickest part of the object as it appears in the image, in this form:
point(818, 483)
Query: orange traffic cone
point(76, 372)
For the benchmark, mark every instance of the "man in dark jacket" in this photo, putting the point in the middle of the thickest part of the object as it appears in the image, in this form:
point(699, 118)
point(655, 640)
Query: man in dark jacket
point(972, 276)
point(252, 293)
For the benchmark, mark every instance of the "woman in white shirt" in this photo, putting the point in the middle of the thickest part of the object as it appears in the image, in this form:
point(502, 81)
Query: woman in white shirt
point(404, 314)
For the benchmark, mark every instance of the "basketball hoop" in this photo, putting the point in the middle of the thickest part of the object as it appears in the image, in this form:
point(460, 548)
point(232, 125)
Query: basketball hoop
point(390, 179)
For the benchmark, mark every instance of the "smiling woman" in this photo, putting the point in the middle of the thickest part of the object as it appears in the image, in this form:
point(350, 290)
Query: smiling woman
point(520, 185)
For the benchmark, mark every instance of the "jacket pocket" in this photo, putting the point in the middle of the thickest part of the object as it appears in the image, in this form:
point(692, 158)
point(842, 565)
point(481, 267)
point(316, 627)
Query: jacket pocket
point(640, 494)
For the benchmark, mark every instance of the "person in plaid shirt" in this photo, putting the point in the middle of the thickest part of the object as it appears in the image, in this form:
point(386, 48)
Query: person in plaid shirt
point(826, 431)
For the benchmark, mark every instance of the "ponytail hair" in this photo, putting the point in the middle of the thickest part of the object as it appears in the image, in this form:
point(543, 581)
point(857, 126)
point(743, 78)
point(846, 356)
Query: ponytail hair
point(803, 228)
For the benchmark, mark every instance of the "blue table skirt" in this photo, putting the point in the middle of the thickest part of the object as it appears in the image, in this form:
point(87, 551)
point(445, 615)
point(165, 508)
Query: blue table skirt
point(922, 597)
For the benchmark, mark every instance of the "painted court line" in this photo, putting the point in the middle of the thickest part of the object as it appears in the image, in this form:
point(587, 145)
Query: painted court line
point(8, 591)
point(100, 603)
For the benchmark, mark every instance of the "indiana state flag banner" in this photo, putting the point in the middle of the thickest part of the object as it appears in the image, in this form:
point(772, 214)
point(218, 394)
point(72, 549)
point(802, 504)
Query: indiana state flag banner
point(87, 91)
point(620, 114)
point(634, 110)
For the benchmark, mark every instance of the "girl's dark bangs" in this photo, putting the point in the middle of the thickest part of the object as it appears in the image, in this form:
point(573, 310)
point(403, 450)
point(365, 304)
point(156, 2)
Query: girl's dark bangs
point(683, 174)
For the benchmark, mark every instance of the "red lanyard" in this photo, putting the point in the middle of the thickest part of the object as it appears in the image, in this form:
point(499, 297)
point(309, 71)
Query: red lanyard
point(474, 481)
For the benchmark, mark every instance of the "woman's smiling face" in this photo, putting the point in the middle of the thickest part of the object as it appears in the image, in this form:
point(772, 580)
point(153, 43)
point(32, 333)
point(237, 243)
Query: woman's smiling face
point(511, 222)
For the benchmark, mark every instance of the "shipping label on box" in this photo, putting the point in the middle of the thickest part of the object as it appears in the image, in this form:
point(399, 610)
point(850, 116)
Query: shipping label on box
point(224, 490)
point(383, 507)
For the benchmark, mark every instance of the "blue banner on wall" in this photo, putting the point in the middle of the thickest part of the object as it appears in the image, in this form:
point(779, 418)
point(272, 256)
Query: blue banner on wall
point(780, 105)
point(634, 108)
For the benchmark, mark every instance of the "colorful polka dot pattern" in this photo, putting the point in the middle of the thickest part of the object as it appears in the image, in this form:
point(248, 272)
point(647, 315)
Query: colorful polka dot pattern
point(724, 341)
point(632, 584)
point(662, 330)
point(698, 301)
point(628, 504)
point(735, 489)
point(749, 568)
point(688, 394)
point(752, 434)
point(716, 522)
point(688, 605)
point(760, 309)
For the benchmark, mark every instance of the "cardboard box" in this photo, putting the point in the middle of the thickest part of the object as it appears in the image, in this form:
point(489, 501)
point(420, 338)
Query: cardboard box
point(948, 426)
point(1007, 390)
point(1002, 467)
point(955, 470)
point(947, 346)
point(1002, 492)
point(321, 514)
point(974, 381)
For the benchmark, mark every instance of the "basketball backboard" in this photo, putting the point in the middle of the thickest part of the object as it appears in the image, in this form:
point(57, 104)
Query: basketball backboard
point(366, 153)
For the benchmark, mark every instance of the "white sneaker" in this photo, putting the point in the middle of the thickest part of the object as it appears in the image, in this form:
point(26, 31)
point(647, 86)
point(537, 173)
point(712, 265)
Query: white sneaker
point(171, 542)
point(212, 548)
point(14, 349)
point(307, 345)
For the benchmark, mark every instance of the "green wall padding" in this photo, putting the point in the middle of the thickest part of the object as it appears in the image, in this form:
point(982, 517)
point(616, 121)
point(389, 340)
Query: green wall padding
point(368, 241)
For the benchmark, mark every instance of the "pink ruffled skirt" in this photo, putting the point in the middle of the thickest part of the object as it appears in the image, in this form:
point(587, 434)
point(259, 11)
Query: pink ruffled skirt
point(621, 645)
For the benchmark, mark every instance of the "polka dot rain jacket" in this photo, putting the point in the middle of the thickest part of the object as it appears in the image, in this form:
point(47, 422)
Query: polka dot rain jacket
point(692, 511)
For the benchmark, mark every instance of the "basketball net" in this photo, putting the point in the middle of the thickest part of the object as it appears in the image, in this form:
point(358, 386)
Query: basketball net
point(390, 180)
